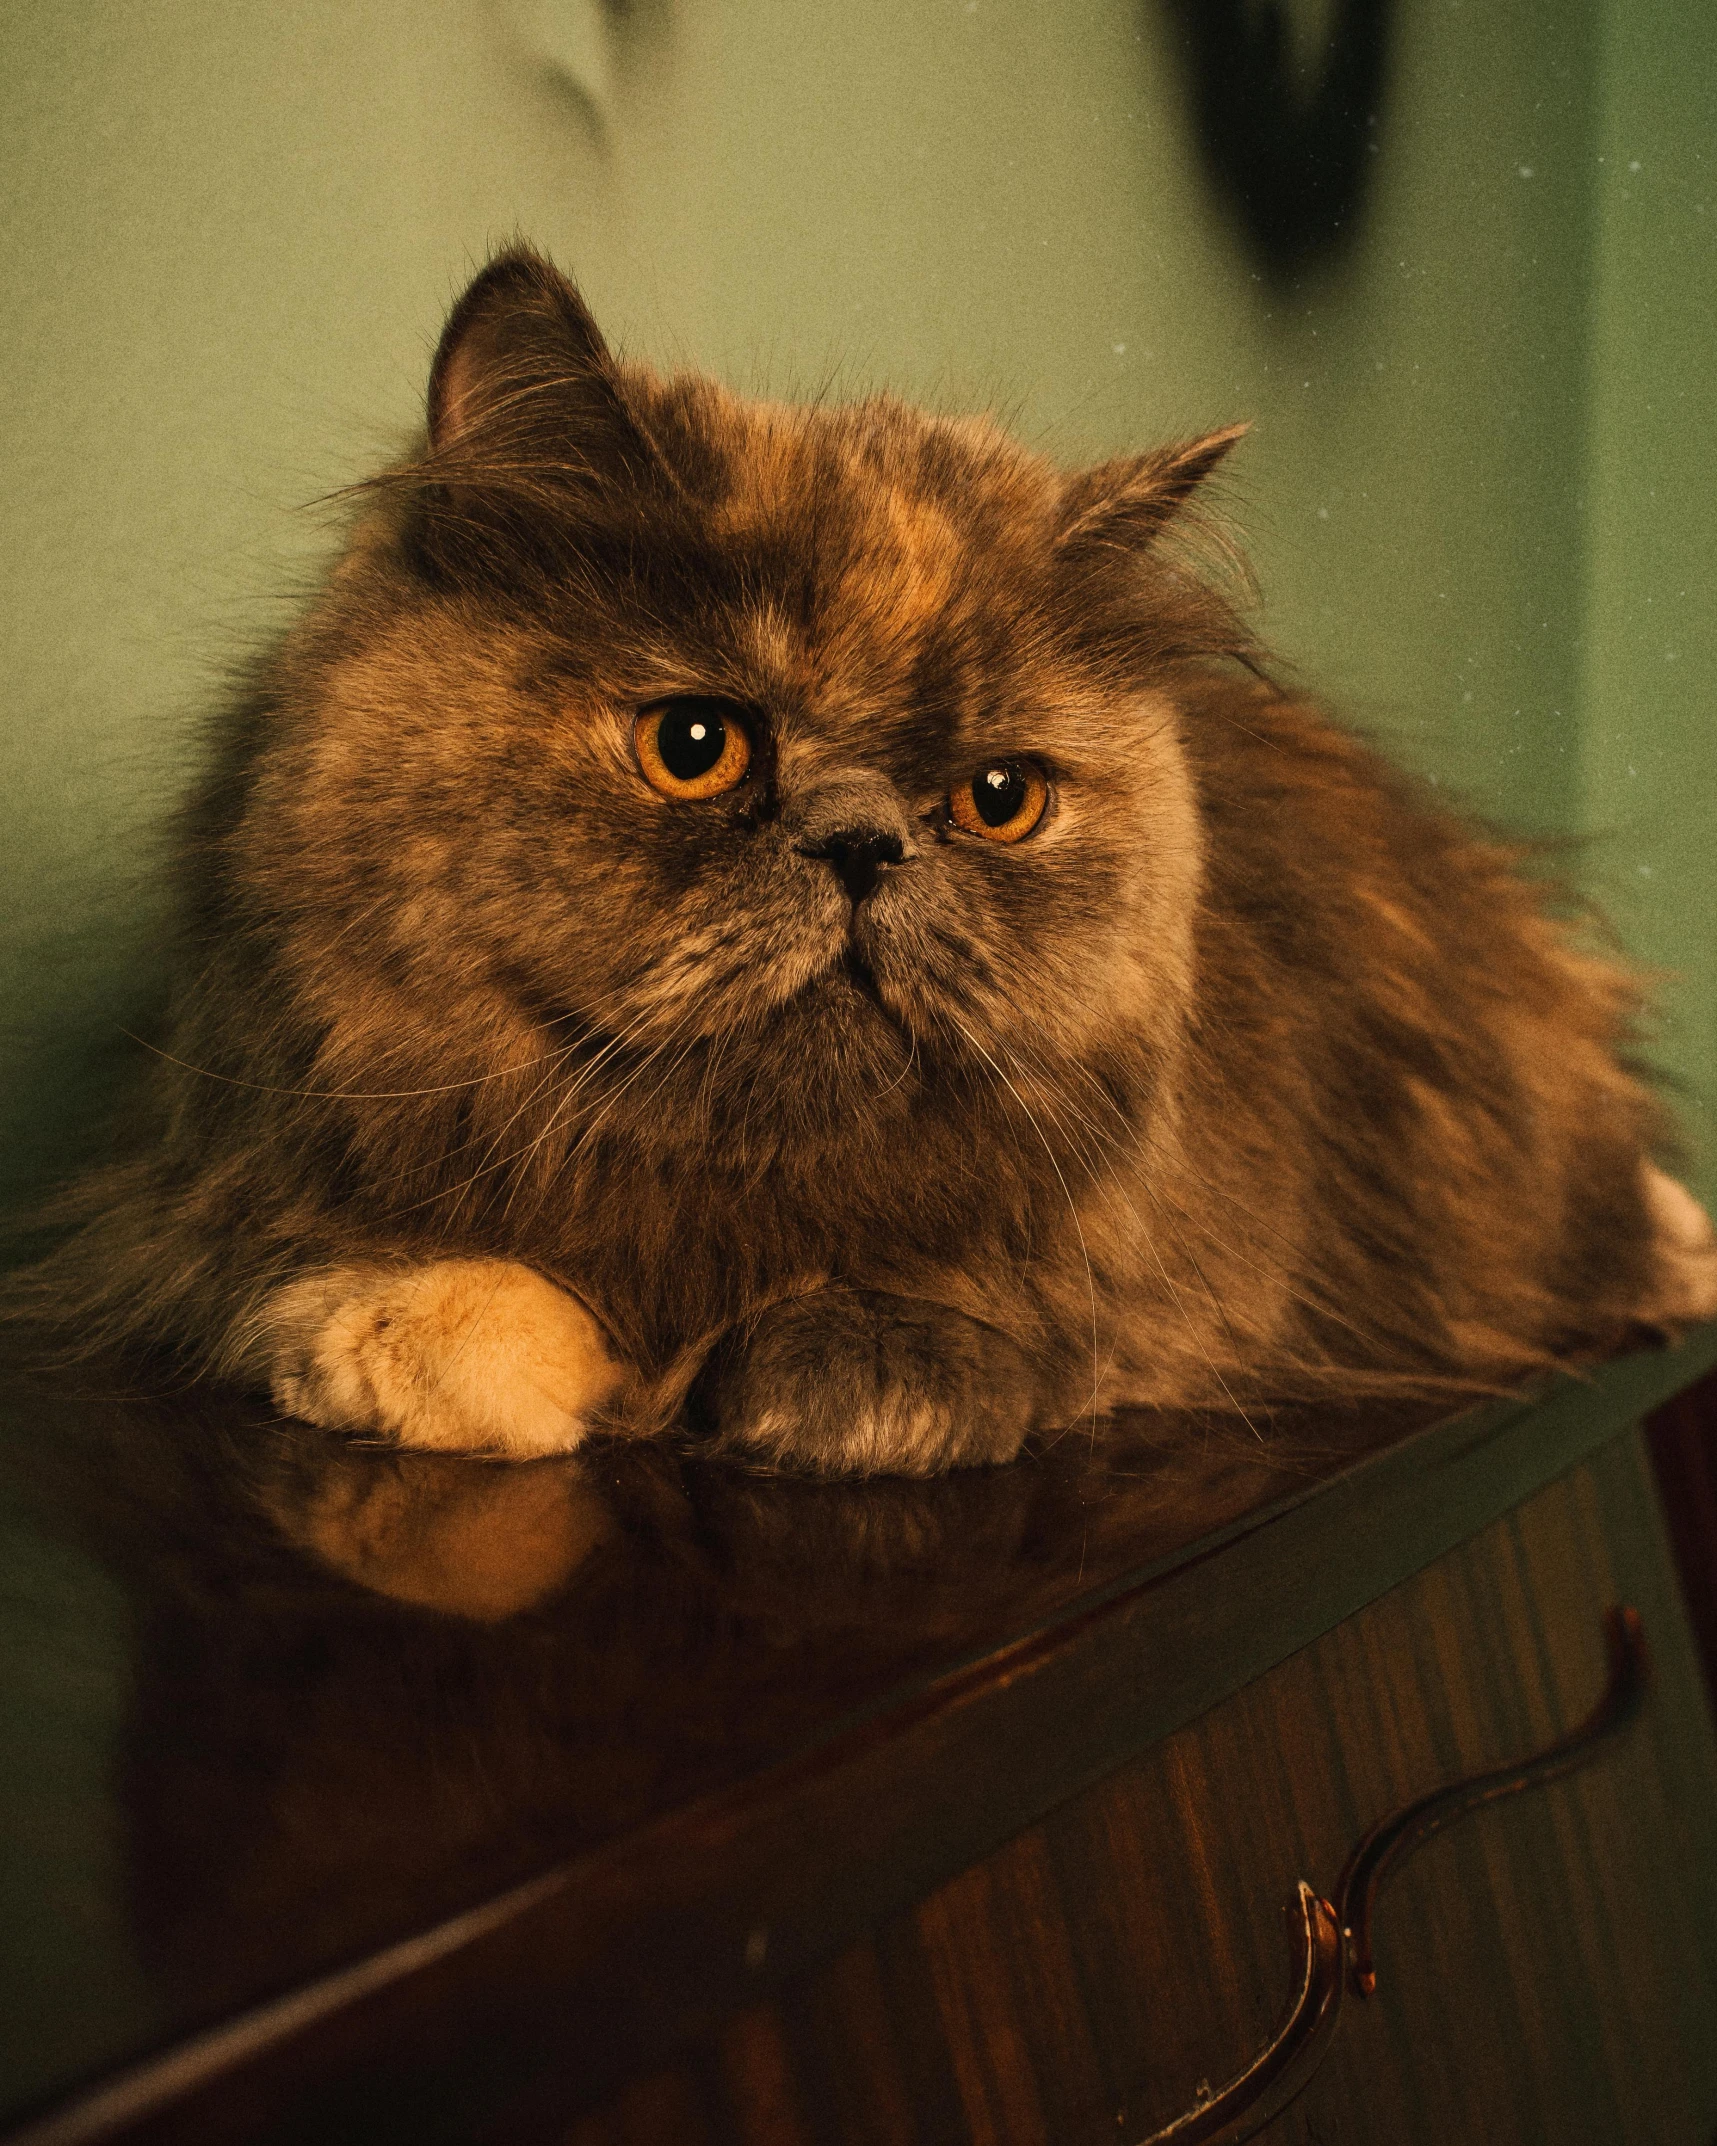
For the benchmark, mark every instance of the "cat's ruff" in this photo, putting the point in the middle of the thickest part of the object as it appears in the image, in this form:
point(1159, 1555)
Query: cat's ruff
point(815, 924)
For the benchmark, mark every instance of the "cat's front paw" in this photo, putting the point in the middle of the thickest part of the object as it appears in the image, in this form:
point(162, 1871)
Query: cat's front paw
point(457, 1355)
point(853, 1382)
point(1686, 1280)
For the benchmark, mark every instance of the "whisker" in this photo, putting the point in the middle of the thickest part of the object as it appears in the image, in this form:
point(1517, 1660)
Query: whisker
point(1281, 1277)
point(625, 1087)
point(1149, 1240)
point(581, 1079)
point(1072, 1209)
point(350, 1095)
point(1319, 1369)
point(905, 1071)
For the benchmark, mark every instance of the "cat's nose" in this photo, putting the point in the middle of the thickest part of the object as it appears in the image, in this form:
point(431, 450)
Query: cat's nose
point(858, 855)
point(858, 826)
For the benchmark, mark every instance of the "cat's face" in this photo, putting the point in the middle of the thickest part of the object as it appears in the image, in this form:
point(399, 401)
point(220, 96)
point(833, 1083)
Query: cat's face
point(816, 747)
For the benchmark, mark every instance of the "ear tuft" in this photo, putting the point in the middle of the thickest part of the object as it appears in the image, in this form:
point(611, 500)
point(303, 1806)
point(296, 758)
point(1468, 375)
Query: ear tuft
point(1124, 504)
point(521, 328)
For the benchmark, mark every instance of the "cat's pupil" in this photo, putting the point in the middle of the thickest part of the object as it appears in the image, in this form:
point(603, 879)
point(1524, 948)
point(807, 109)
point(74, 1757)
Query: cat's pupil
point(998, 792)
point(691, 738)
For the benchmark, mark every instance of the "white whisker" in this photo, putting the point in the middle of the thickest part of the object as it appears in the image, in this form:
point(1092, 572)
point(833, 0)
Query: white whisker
point(347, 1095)
point(1072, 1208)
point(1113, 1185)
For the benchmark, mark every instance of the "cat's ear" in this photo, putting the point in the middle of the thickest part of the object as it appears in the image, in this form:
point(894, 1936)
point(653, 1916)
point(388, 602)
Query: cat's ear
point(524, 391)
point(1124, 504)
point(520, 331)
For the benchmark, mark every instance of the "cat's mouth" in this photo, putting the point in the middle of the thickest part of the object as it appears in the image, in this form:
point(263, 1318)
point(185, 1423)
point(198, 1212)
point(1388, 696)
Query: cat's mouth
point(853, 969)
point(851, 981)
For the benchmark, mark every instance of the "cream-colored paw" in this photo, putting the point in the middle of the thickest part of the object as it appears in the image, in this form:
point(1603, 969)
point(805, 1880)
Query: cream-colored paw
point(1686, 1251)
point(458, 1355)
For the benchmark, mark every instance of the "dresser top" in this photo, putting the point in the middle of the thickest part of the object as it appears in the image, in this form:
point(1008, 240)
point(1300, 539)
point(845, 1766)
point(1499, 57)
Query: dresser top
point(293, 1723)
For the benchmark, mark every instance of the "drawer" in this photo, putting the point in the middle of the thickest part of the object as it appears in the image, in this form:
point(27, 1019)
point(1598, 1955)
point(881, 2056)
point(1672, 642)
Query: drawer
point(1546, 1966)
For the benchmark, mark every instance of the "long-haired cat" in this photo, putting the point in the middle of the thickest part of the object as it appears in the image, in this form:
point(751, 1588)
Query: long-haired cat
point(818, 919)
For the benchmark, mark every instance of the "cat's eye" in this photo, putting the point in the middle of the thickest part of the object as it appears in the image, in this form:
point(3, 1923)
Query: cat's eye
point(1003, 801)
point(692, 746)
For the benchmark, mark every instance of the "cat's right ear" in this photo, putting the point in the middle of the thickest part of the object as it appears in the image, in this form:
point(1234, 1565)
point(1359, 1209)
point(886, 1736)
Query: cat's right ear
point(519, 341)
point(527, 409)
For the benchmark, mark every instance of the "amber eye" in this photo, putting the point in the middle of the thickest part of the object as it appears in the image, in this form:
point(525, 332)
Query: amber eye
point(692, 746)
point(1003, 802)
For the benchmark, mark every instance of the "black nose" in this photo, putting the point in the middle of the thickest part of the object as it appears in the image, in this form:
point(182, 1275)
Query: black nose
point(858, 855)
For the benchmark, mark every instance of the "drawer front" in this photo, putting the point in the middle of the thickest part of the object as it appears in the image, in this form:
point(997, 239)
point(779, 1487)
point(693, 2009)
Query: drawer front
point(1546, 1966)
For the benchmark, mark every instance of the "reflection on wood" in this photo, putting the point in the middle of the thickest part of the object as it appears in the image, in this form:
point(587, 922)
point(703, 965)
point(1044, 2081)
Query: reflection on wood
point(1550, 1972)
point(867, 1813)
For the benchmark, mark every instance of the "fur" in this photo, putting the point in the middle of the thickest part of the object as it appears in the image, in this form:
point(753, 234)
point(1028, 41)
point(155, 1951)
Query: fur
point(504, 1098)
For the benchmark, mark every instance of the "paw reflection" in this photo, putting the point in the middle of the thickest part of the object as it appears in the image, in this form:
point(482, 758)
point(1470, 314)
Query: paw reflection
point(478, 1539)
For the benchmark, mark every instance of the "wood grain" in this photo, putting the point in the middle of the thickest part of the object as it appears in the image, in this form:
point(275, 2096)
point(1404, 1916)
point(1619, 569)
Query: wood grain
point(1547, 1969)
point(1682, 1437)
point(1038, 1890)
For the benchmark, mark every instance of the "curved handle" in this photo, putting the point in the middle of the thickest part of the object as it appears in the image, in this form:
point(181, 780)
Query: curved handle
point(1393, 1839)
point(1335, 1942)
point(1288, 2059)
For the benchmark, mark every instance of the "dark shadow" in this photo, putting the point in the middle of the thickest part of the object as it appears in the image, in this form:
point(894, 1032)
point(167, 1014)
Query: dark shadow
point(1289, 142)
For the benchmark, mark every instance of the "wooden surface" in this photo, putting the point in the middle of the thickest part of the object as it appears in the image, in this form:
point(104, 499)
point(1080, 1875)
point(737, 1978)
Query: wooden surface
point(1547, 1970)
point(440, 1801)
point(1681, 1438)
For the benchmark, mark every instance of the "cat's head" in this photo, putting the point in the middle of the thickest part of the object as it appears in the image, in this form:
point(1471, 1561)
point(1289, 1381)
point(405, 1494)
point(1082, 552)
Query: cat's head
point(831, 745)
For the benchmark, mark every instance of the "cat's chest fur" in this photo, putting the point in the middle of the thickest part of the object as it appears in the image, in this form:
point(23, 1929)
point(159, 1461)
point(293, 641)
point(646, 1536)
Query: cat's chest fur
point(814, 924)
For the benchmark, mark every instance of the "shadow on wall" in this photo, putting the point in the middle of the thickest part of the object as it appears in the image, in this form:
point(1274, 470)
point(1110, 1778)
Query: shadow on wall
point(1288, 128)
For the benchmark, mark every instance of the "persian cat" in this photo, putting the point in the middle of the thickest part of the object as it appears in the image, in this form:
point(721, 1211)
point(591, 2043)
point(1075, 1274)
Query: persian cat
point(816, 921)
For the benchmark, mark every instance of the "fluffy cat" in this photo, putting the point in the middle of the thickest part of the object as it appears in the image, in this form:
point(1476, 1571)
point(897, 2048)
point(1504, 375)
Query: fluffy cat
point(814, 918)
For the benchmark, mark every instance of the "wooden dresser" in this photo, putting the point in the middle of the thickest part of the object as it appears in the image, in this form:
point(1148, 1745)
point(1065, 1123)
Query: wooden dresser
point(639, 1798)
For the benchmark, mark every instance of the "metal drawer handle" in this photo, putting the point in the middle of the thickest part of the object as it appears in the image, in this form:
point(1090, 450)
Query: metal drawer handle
point(1334, 1942)
point(1393, 1839)
point(1288, 2059)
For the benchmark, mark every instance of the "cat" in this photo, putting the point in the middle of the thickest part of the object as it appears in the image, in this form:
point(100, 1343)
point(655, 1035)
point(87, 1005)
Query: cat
point(813, 923)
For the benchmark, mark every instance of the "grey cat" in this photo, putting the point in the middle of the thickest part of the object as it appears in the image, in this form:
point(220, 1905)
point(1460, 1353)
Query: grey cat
point(817, 921)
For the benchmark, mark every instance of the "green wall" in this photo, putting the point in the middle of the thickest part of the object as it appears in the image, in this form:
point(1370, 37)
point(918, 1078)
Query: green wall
point(230, 230)
point(1650, 685)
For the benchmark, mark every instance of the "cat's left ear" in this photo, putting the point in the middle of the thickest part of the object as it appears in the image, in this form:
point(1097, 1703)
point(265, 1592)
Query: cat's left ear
point(1123, 505)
